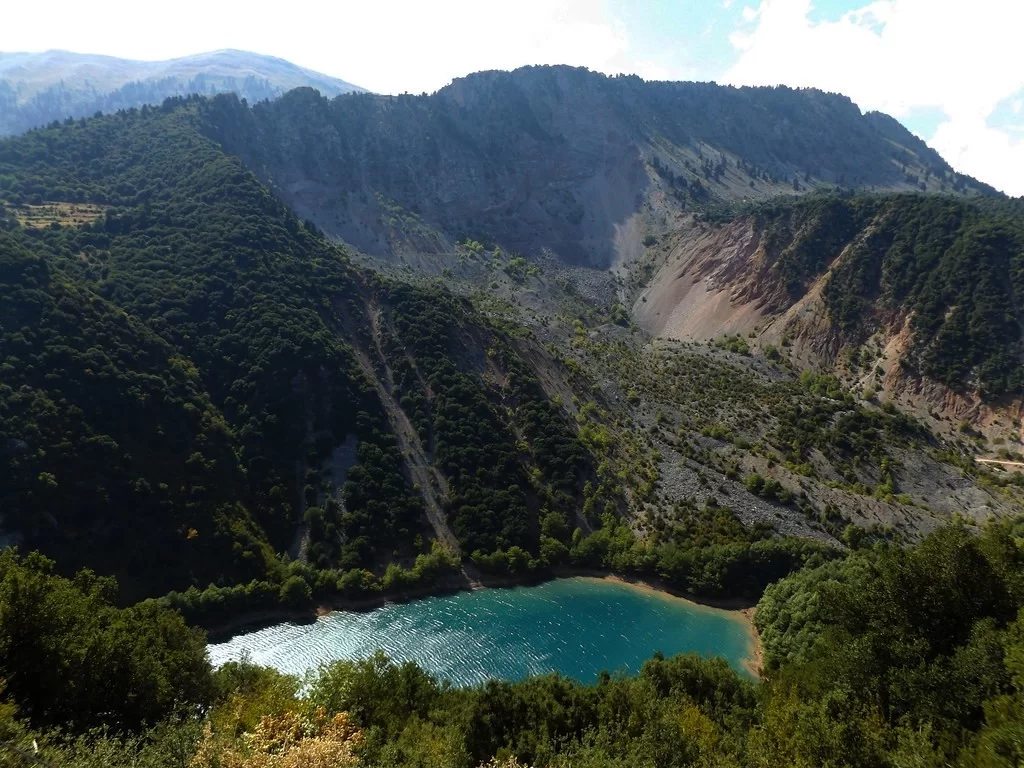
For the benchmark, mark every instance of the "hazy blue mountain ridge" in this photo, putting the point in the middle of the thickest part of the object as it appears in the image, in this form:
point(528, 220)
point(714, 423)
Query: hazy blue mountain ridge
point(38, 88)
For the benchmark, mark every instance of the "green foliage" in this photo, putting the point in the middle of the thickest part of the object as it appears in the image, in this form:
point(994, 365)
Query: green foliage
point(83, 388)
point(852, 437)
point(518, 269)
point(806, 238)
point(953, 266)
point(735, 343)
point(474, 448)
point(377, 693)
point(301, 585)
point(920, 638)
point(823, 385)
point(887, 657)
point(473, 432)
point(71, 659)
point(788, 616)
point(767, 488)
point(697, 565)
point(674, 710)
point(168, 359)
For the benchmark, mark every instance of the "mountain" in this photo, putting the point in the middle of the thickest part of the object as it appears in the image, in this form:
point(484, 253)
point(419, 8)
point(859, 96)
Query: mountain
point(38, 88)
point(201, 389)
point(592, 171)
point(562, 159)
point(207, 398)
point(190, 371)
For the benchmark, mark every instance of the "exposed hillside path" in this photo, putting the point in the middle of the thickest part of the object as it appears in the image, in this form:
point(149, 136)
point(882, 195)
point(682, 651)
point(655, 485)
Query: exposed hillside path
point(432, 484)
point(1019, 464)
point(424, 457)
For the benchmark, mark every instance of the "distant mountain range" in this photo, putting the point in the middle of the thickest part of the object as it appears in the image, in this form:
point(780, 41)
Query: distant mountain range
point(38, 88)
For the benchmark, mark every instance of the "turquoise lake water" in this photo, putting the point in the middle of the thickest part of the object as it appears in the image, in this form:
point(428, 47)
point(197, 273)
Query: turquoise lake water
point(578, 627)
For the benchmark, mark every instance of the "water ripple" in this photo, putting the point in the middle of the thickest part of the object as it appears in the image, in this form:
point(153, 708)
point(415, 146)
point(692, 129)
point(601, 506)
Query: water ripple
point(578, 627)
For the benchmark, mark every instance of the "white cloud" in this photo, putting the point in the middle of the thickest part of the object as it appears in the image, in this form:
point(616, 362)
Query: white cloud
point(989, 154)
point(388, 46)
point(894, 55)
point(749, 13)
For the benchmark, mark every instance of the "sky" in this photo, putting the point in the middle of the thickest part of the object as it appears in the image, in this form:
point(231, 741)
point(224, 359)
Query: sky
point(951, 70)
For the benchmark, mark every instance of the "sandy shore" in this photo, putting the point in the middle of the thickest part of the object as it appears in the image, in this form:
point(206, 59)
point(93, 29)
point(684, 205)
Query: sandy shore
point(741, 609)
point(755, 662)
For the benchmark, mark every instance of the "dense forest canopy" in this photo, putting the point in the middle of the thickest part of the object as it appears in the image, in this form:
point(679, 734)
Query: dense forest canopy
point(198, 262)
point(199, 309)
point(887, 657)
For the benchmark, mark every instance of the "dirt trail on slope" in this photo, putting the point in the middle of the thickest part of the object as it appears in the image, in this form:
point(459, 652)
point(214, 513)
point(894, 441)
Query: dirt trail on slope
point(423, 458)
point(1019, 464)
point(432, 484)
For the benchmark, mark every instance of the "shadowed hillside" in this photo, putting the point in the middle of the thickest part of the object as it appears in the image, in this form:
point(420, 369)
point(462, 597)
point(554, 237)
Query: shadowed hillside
point(560, 158)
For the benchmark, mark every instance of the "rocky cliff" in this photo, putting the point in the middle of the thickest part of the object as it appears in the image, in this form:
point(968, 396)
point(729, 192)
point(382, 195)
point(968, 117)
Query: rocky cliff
point(560, 159)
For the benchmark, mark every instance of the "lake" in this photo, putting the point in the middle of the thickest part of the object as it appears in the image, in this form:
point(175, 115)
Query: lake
point(577, 627)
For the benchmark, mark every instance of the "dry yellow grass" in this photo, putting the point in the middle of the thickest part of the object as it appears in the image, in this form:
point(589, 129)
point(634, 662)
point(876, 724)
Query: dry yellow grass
point(286, 740)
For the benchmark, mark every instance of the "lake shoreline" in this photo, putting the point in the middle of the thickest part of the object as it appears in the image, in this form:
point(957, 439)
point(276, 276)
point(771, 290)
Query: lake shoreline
point(741, 607)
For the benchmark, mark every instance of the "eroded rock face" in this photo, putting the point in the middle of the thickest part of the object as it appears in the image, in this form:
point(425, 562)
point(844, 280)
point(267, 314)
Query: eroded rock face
point(716, 281)
point(875, 291)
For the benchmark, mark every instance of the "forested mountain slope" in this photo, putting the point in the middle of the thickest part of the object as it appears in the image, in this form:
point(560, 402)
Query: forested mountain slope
point(199, 387)
point(38, 88)
point(184, 376)
point(561, 159)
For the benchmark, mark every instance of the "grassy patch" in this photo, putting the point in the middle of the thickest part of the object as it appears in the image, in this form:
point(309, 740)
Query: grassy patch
point(64, 214)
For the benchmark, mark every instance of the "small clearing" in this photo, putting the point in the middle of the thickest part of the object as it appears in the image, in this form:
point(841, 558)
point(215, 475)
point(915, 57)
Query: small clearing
point(64, 214)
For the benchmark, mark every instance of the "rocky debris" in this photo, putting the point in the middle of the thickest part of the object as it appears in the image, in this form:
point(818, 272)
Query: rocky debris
point(689, 480)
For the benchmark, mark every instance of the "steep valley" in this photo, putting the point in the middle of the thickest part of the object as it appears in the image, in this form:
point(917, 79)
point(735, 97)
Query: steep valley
point(295, 362)
point(527, 313)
